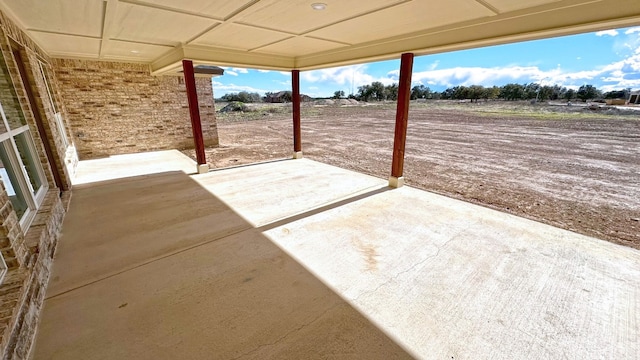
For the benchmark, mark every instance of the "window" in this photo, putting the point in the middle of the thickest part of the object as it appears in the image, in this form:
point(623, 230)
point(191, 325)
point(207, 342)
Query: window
point(58, 117)
point(20, 168)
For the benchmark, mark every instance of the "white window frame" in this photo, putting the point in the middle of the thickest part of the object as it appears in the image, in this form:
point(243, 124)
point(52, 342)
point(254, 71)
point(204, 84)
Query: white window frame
point(33, 200)
point(57, 116)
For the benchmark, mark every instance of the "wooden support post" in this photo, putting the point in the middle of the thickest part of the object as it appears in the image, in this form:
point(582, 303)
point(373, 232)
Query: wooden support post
point(402, 117)
point(295, 100)
point(194, 113)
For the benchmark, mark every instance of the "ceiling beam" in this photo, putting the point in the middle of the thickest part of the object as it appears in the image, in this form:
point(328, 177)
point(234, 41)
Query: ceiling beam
point(488, 6)
point(172, 61)
point(109, 13)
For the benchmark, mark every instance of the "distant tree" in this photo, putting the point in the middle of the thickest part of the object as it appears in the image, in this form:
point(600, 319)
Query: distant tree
point(420, 92)
point(447, 94)
point(570, 94)
point(460, 92)
point(512, 92)
point(373, 91)
point(545, 93)
point(229, 97)
point(491, 93)
point(391, 92)
point(364, 93)
point(586, 92)
point(242, 96)
point(377, 89)
point(338, 94)
point(617, 94)
point(558, 92)
point(531, 91)
point(475, 92)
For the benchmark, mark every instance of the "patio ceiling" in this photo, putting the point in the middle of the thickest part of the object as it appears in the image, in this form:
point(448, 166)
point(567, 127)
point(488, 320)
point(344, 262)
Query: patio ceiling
point(277, 34)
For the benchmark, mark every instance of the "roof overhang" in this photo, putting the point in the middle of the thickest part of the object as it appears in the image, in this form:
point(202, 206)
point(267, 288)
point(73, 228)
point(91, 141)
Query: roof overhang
point(285, 35)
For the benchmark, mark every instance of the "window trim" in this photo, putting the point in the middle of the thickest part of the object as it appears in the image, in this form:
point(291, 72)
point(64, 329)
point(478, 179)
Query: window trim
point(8, 142)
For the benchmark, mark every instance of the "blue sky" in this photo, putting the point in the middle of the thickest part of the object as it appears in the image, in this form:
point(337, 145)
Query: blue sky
point(609, 60)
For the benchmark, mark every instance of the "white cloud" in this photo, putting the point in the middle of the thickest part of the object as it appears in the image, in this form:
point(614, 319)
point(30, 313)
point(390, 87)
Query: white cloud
point(229, 72)
point(264, 71)
point(621, 74)
point(629, 43)
point(480, 76)
point(607, 32)
point(351, 76)
point(220, 89)
point(285, 83)
point(285, 73)
point(240, 70)
point(632, 30)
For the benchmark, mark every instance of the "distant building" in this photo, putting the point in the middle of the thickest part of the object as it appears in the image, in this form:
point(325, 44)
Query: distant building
point(634, 97)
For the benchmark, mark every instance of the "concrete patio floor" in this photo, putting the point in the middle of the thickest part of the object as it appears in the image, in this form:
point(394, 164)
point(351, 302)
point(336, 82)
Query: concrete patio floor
point(295, 259)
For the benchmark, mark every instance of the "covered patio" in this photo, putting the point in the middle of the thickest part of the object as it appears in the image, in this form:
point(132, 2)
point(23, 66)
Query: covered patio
point(299, 259)
point(161, 258)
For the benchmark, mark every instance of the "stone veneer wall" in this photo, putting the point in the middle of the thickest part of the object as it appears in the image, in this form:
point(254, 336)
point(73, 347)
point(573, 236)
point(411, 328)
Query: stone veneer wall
point(119, 108)
point(29, 254)
point(24, 288)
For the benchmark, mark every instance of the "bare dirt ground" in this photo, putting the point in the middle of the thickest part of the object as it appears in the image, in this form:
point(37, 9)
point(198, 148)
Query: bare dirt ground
point(567, 167)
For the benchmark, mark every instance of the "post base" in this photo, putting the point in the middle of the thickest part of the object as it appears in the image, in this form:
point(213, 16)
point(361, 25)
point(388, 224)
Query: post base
point(297, 155)
point(203, 168)
point(396, 182)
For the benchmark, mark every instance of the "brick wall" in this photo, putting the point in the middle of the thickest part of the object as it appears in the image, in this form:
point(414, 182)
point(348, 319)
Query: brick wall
point(30, 282)
point(15, 87)
point(28, 254)
point(118, 108)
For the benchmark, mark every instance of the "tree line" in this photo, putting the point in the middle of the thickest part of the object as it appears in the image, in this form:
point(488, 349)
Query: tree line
point(511, 92)
point(377, 91)
point(254, 97)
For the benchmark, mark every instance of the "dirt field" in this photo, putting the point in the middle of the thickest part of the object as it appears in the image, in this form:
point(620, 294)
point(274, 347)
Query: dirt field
point(567, 167)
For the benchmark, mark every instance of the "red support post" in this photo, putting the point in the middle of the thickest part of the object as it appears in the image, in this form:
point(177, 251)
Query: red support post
point(402, 117)
point(194, 110)
point(295, 99)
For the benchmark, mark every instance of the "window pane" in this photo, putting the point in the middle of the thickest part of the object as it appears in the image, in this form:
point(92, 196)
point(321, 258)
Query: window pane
point(7, 173)
point(45, 76)
point(29, 161)
point(9, 99)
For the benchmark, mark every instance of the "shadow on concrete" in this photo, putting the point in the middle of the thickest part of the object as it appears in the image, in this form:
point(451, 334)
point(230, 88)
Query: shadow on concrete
point(156, 267)
point(322, 209)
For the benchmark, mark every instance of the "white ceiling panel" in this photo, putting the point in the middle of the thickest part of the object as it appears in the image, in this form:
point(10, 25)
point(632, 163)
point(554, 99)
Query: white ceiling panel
point(297, 16)
point(150, 25)
point(133, 51)
point(408, 18)
point(510, 5)
point(300, 46)
point(219, 9)
point(68, 45)
point(239, 37)
point(78, 17)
